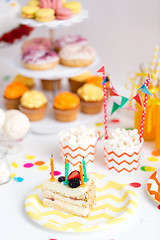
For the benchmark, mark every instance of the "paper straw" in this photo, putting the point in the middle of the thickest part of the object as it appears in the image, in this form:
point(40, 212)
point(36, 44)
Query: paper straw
point(154, 57)
point(105, 108)
point(144, 110)
point(157, 69)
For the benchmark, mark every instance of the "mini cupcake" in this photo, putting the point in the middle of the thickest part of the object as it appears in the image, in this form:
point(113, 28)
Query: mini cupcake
point(13, 93)
point(28, 82)
point(78, 81)
point(91, 98)
point(51, 85)
point(66, 107)
point(77, 143)
point(33, 104)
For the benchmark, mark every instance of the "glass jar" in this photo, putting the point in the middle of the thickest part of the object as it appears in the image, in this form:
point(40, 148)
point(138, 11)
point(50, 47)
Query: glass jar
point(5, 170)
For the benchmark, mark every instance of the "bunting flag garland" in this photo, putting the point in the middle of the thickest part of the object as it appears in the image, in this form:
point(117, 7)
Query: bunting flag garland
point(101, 70)
point(144, 89)
point(105, 80)
point(112, 92)
point(115, 107)
point(138, 99)
point(123, 101)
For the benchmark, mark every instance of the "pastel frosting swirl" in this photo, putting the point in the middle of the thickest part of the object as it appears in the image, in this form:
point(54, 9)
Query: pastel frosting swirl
point(66, 100)
point(33, 99)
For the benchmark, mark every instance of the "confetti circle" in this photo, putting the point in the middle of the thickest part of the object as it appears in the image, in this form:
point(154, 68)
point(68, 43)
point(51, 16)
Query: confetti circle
point(156, 153)
point(135, 184)
point(43, 168)
point(158, 207)
point(152, 159)
point(30, 157)
point(148, 169)
point(28, 165)
point(56, 173)
point(39, 163)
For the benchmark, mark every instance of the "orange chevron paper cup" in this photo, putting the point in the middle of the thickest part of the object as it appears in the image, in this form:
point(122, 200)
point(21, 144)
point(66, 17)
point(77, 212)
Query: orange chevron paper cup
point(75, 153)
point(122, 159)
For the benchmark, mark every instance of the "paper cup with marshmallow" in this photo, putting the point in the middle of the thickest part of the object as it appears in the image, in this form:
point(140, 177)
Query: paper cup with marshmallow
point(122, 150)
point(78, 142)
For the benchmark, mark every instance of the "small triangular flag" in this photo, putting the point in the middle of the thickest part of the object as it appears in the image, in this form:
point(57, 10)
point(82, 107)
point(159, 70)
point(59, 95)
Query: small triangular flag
point(138, 99)
point(123, 101)
point(115, 107)
point(105, 80)
point(145, 90)
point(102, 69)
point(112, 92)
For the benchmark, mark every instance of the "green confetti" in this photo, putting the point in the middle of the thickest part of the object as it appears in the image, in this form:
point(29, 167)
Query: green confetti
point(6, 78)
point(101, 137)
point(147, 169)
point(129, 128)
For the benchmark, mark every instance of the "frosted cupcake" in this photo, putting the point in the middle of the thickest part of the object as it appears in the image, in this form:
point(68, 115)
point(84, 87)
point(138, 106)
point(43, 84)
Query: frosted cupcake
point(78, 142)
point(78, 81)
point(28, 82)
point(33, 104)
point(122, 150)
point(91, 98)
point(66, 107)
point(12, 94)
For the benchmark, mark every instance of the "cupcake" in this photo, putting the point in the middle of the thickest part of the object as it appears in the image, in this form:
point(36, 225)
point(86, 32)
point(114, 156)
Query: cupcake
point(78, 81)
point(97, 80)
point(122, 150)
point(33, 104)
point(13, 93)
point(28, 82)
point(77, 143)
point(50, 85)
point(91, 98)
point(66, 107)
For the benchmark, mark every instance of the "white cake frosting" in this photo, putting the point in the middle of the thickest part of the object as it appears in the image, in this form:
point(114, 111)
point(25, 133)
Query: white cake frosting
point(8, 12)
point(77, 51)
point(122, 138)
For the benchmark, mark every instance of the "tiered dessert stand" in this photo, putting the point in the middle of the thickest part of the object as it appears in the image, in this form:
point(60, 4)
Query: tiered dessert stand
point(46, 126)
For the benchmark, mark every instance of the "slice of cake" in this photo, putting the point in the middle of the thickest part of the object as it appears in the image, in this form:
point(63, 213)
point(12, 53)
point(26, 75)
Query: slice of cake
point(70, 194)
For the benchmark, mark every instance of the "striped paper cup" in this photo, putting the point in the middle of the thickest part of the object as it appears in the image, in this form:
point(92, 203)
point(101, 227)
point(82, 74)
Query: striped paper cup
point(122, 159)
point(75, 153)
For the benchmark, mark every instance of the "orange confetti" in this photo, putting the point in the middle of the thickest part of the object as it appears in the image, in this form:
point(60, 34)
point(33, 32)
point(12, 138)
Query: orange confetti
point(39, 163)
point(156, 153)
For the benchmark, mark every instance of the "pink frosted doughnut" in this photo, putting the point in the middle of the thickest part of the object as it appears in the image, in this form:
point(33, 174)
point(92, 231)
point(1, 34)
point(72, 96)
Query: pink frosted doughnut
point(37, 44)
point(63, 13)
point(40, 59)
point(69, 39)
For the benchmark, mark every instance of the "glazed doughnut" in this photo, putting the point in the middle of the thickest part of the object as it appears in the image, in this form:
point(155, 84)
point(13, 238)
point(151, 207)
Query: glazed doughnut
point(40, 60)
point(77, 55)
point(36, 44)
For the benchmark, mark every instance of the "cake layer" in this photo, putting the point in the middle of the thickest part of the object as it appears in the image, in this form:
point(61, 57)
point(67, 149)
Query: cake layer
point(67, 207)
point(65, 191)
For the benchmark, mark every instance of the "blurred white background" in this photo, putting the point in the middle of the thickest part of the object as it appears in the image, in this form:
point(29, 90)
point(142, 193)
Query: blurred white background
point(123, 33)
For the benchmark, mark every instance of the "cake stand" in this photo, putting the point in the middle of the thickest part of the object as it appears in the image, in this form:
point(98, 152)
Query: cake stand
point(49, 125)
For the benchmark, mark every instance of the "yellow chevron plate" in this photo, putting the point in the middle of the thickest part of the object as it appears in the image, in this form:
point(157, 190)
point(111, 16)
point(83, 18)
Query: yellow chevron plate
point(114, 204)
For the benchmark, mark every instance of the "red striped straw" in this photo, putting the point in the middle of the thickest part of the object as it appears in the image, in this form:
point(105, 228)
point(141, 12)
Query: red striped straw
point(105, 108)
point(144, 109)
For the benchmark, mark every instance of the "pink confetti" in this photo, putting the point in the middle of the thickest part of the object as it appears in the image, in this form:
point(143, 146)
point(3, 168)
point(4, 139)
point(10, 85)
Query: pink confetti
point(28, 165)
point(159, 207)
point(56, 173)
point(135, 184)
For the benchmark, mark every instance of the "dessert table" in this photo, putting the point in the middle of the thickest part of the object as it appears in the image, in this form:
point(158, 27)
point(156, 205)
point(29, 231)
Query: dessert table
point(14, 222)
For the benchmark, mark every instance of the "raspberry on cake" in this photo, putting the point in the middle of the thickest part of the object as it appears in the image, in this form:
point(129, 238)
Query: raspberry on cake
point(73, 193)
